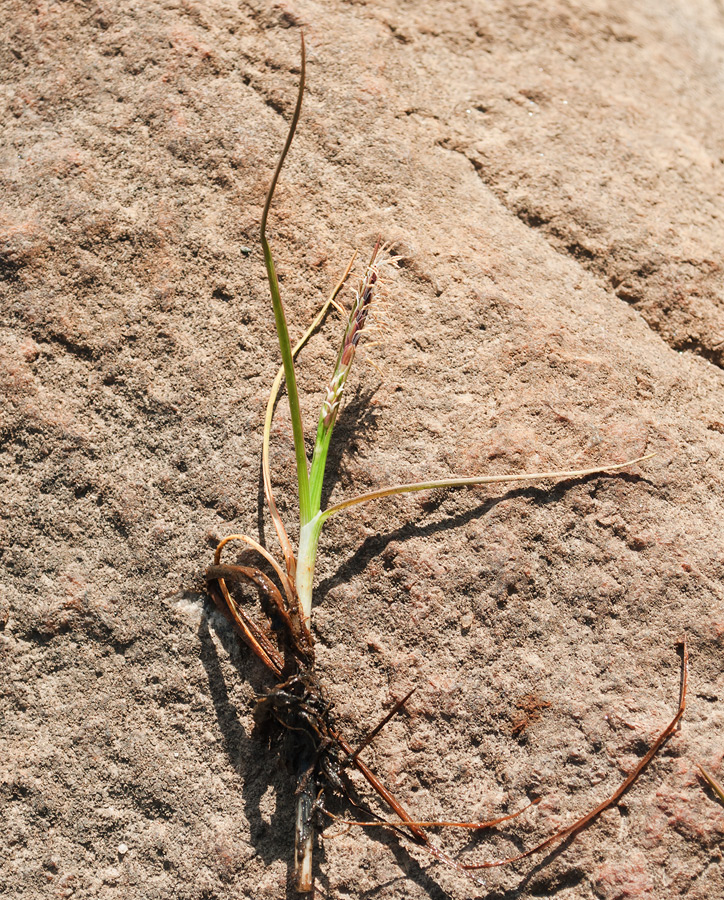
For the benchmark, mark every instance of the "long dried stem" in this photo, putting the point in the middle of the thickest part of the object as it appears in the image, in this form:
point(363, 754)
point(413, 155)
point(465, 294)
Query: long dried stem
point(477, 480)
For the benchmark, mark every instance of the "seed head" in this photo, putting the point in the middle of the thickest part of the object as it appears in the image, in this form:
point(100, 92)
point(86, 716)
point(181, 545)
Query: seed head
point(358, 317)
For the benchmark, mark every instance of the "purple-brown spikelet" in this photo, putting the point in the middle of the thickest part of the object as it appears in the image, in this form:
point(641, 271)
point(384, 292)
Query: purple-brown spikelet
point(353, 332)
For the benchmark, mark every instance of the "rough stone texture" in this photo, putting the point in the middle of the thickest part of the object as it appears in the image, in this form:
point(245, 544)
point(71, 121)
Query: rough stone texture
point(553, 173)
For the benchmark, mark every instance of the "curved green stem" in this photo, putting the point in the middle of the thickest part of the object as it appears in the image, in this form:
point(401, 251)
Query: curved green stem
point(281, 321)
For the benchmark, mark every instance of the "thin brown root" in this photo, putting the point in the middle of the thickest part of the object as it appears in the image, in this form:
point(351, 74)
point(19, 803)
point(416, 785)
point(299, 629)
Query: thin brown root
point(425, 844)
point(471, 826)
point(585, 821)
point(376, 730)
point(421, 838)
point(340, 821)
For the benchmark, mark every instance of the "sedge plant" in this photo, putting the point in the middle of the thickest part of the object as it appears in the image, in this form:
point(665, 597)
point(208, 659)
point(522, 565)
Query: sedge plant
point(296, 575)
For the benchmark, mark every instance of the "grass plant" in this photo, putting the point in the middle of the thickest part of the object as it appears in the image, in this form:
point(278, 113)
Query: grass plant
point(297, 700)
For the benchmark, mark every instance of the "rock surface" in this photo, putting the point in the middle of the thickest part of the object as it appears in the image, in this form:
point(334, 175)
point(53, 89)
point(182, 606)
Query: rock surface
point(553, 173)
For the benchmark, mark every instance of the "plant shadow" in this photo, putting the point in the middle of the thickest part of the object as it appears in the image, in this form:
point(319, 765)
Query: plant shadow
point(375, 544)
point(259, 768)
